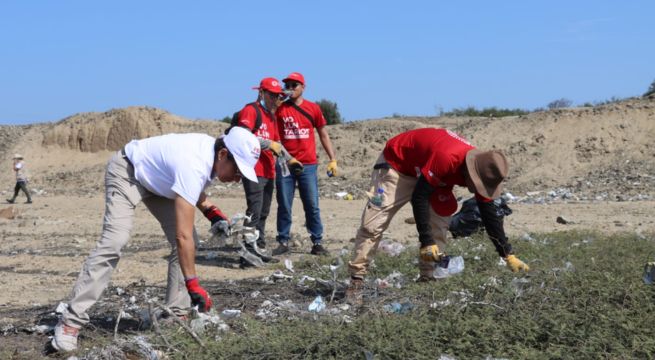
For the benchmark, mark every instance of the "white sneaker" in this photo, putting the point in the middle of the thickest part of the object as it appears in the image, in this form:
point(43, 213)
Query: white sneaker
point(65, 338)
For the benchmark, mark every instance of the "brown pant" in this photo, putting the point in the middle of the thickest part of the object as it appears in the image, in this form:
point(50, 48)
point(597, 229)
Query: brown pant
point(398, 190)
point(122, 194)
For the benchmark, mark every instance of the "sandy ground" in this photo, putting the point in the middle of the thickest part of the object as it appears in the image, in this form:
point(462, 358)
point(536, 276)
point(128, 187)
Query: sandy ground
point(43, 248)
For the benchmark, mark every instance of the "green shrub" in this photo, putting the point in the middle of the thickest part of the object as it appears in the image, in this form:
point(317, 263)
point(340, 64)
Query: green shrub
point(330, 111)
point(486, 112)
point(651, 89)
point(559, 103)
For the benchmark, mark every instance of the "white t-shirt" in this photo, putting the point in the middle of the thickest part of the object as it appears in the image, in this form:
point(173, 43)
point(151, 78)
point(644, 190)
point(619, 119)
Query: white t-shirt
point(173, 164)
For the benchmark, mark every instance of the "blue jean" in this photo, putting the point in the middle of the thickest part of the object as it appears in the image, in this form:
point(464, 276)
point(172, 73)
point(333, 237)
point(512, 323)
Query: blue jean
point(308, 188)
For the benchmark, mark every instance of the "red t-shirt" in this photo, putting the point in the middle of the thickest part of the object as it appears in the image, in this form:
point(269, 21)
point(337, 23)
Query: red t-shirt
point(438, 155)
point(265, 167)
point(297, 131)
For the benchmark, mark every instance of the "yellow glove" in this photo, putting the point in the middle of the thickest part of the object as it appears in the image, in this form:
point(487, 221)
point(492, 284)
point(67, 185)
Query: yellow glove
point(515, 264)
point(430, 253)
point(332, 168)
point(295, 166)
point(276, 148)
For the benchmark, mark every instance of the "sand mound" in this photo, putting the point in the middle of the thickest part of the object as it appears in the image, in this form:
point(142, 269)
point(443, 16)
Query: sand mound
point(604, 151)
point(91, 132)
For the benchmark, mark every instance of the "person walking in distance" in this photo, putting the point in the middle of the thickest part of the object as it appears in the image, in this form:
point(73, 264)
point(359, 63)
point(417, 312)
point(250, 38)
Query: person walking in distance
point(297, 118)
point(422, 166)
point(21, 179)
point(168, 174)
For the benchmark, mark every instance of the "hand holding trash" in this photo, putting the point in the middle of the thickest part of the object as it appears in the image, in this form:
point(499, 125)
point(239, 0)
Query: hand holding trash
point(332, 168)
point(199, 296)
point(220, 224)
point(295, 166)
point(515, 264)
point(430, 253)
point(275, 147)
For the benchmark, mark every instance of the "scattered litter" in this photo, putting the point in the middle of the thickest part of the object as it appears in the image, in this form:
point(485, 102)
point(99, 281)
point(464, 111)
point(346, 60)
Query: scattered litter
point(519, 285)
point(449, 266)
point(395, 280)
point(288, 264)
point(255, 294)
point(398, 308)
point(391, 247)
point(61, 308)
point(440, 304)
point(649, 273)
point(341, 194)
point(317, 305)
point(563, 220)
point(279, 275)
point(230, 313)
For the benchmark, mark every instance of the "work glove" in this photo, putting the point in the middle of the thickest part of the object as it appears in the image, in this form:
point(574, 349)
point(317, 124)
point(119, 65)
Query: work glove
point(276, 148)
point(220, 223)
point(430, 253)
point(332, 168)
point(515, 264)
point(198, 295)
point(295, 166)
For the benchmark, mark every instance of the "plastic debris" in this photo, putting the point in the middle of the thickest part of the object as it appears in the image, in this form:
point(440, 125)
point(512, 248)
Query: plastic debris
point(396, 280)
point(230, 313)
point(61, 308)
point(288, 264)
point(341, 194)
point(649, 273)
point(398, 308)
point(391, 247)
point(449, 267)
point(317, 305)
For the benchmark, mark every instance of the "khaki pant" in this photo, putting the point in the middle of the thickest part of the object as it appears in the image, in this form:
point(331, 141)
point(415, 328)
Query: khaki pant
point(398, 189)
point(122, 194)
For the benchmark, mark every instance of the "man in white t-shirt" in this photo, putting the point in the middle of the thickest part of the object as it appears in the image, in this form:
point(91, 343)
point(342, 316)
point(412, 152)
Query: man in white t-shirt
point(168, 174)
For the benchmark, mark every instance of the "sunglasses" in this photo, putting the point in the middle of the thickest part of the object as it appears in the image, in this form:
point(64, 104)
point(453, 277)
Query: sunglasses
point(291, 85)
point(274, 95)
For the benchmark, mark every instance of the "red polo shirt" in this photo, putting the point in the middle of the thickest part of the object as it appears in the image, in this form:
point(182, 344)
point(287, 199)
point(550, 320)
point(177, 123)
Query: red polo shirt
point(265, 167)
point(438, 155)
point(297, 131)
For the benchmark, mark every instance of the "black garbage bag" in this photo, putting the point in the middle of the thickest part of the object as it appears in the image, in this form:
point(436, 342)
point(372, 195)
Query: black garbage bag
point(467, 220)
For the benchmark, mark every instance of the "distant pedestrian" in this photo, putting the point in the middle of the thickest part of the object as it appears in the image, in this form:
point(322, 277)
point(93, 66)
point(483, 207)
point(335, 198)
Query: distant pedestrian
point(21, 179)
point(422, 166)
point(168, 174)
point(296, 120)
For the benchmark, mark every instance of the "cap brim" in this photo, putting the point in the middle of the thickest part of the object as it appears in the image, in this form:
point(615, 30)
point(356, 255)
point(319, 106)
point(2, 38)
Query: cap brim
point(290, 79)
point(246, 171)
point(474, 174)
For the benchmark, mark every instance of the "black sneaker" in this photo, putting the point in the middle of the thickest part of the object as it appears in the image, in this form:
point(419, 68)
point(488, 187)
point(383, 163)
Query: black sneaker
point(261, 243)
point(28, 202)
point(281, 249)
point(318, 249)
point(10, 201)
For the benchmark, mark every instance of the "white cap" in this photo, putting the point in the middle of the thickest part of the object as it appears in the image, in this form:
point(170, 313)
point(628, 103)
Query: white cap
point(244, 146)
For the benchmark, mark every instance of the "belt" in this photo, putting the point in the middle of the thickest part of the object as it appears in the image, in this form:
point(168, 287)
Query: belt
point(125, 157)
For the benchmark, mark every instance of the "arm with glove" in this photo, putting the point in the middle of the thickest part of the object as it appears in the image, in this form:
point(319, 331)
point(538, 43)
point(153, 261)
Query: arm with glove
point(493, 223)
point(429, 251)
point(279, 151)
point(323, 135)
point(186, 250)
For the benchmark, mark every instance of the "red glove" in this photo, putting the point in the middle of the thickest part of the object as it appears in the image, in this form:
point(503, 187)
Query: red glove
point(214, 214)
point(198, 295)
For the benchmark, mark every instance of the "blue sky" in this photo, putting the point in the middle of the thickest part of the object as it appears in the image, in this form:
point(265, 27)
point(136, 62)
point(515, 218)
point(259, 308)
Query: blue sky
point(199, 59)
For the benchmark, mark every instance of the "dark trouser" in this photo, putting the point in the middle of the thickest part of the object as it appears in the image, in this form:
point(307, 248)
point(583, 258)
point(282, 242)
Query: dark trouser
point(258, 199)
point(21, 185)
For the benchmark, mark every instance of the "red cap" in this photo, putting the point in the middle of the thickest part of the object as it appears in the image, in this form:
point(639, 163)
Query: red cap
point(270, 84)
point(295, 76)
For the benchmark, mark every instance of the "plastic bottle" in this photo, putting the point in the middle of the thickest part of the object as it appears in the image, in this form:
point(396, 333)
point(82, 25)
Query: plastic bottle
point(284, 167)
point(378, 198)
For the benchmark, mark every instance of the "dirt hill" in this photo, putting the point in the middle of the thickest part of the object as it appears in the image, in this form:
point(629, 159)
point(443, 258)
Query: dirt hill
point(596, 152)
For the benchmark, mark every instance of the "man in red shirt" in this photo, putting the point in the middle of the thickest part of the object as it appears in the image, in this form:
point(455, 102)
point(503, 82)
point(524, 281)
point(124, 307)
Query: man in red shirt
point(296, 120)
point(259, 194)
point(423, 166)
